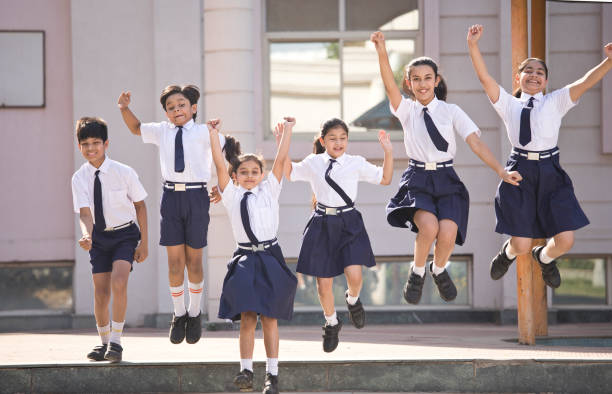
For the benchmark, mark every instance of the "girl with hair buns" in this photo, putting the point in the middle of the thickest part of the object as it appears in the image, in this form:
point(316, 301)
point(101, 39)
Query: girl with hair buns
point(258, 281)
point(431, 201)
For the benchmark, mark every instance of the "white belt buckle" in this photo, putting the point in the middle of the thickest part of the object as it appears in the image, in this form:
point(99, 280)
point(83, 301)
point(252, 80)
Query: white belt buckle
point(533, 156)
point(430, 166)
point(179, 187)
point(258, 248)
point(331, 211)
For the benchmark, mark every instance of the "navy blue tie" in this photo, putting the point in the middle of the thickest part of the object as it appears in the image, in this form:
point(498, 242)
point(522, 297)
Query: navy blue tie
point(244, 215)
point(100, 223)
point(335, 186)
point(437, 139)
point(179, 154)
point(525, 131)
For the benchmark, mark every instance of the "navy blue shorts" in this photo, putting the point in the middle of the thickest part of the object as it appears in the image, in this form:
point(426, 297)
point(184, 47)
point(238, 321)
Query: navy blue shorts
point(440, 192)
point(184, 218)
point(110, 246)
point(543, 205)
point(332, 243)
point(258, 282)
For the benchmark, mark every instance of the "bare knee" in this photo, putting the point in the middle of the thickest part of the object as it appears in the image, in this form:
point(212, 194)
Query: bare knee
point(324, 286)
point(564, 242)
point(176, 267)
point(268, 321)
point(194, 265)
point(248, 319)
point(102, 296)
point(119, 285)
point(521, 246)
point(428, 230)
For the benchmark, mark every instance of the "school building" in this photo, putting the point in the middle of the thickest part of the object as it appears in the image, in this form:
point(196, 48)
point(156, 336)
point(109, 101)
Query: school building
point(256, 61)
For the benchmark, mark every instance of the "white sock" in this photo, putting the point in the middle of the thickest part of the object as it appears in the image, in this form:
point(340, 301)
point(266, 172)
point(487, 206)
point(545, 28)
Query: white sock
point(544, 258)
point(104, 333)
point(420, 271)
point(272, 366)
point(350, 299)
point(178, 299)
point(331, 320)
point(116, 331)
point(437, 270)
point(508, 254)
point(246, 363)
point(195, 296)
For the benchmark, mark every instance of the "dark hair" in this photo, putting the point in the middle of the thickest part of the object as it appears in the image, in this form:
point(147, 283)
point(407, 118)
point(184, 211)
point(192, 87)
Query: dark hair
point(440, 90)
point(517, 93)
point(191, 93)
point(234, 156)
point(327, 126)
point(91, 127)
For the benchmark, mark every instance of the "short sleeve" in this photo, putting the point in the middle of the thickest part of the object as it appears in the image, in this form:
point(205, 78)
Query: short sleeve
point(463, 125)
point(229, 194)
point(151, 132)
point(562, 100)
point(403, 109)
point(502, 106)
point(370, 173)
point(136, 191)
point(79, 195)
point(302, 171)
point(274, 185)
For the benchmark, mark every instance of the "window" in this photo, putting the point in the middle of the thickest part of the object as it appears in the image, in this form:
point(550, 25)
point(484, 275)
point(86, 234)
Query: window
point(583, 281)
point(384, 283)
point(22, 69)
point(36, 286)
point(321, 63)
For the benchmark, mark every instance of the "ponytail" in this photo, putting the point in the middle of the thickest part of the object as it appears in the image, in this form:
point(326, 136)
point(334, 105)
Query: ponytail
point(440, 91)
point(232, 153)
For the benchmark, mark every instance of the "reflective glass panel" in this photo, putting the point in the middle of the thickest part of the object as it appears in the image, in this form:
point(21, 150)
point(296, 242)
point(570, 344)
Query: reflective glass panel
point(301, 15)
point(372, 15)
point(583, 281)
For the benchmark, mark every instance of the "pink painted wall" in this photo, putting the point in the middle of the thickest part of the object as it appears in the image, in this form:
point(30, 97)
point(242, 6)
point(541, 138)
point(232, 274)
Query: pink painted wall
point(36, 145)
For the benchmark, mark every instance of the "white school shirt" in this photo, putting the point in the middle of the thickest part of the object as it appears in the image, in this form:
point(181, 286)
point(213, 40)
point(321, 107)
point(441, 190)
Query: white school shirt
point(121, 188)
point(262, 206)
point(346, 172)
point(546, 115)
point(196, 148)
point(448, 118)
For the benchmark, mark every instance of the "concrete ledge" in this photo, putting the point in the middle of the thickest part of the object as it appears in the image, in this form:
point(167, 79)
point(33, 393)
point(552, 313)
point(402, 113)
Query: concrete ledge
point(568, 376)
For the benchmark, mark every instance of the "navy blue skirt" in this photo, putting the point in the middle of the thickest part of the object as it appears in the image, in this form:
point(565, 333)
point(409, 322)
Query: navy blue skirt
point(332, 243)
point(258, 282)
point(440, 192)
point(543, 205)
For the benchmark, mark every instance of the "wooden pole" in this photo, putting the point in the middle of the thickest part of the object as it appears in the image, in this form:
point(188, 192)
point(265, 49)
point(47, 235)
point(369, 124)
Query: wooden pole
point(519, 35)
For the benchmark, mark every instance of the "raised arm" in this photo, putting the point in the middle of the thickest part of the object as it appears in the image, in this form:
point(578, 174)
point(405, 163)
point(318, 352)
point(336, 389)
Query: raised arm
point(282, 130)
point(484, 153)
point(142, 251)
point(385, 142)
point(217, 153)
point(594, 75)
point(490, 85)
point(131, 121)
point(393, 92)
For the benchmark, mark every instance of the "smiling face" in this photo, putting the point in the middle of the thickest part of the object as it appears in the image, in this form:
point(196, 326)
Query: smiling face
point(178, 109)
point(93, 150)
point(335, 141)
point(248, 175)
point(532, 78)
point(421, 81)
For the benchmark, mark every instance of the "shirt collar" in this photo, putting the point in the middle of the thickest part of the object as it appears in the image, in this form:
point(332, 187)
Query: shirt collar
point(254, 190)
point(339, 160)
point(430, 107)
point(187, 126)
point(103, 167)
point(525, 97)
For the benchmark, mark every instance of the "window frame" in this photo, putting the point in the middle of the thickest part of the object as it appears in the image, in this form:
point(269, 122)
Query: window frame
point(608, 281)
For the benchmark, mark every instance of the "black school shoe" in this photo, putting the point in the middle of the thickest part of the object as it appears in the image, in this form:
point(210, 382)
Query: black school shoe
point(270, 384)
point(500, 263)
point(114, 352)
point(244, 380)
point(97, 354)
point(446, 287)
point(177, 328)
point(550, 272)
point(330, 336)
point(193, 328)
point(413, 289)
point(356, 312)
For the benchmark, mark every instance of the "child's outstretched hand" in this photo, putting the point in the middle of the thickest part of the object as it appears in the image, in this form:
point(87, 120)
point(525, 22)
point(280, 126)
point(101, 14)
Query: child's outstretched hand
point(512, 177)
point(378, 39)
point(608, 50)
point(214, 125)
point(385, 140)
point(280, 128)
point(474, 33)
point(141, 252)
point(214, 195)
point(124, 100)
point(85, 242)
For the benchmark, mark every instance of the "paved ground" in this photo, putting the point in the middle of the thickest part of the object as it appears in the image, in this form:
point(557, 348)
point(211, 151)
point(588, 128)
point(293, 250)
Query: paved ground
point(390, 342)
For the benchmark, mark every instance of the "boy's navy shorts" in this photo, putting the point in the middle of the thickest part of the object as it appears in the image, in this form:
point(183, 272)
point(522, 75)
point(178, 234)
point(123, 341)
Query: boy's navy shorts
point(184, 217)
point(110, 246)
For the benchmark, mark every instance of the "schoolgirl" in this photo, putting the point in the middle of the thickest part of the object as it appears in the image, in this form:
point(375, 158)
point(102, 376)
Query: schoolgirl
point(335, 239)
point(258, 281)
point(431, 201)
point(544, 206)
